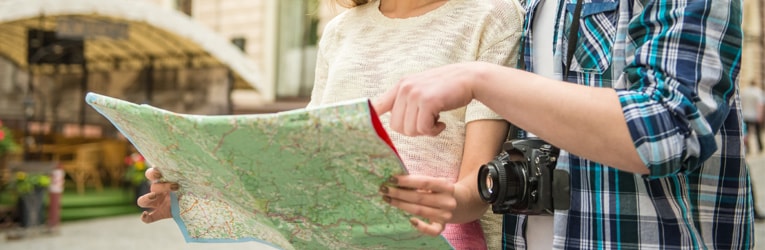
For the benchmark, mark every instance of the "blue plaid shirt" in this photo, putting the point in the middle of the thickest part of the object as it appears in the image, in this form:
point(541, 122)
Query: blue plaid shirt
point(675, 65)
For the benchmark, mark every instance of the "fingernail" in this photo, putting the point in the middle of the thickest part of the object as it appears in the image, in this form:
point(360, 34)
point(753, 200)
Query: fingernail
point(386, 199)
point(145, 217)
point(175, 186)
point(152, 196)
point(383, 189)
point(413, 222)
point(393, 179)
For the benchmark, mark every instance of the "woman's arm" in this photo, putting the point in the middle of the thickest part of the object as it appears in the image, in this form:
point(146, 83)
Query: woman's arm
point(483, 140)
point(320, 78)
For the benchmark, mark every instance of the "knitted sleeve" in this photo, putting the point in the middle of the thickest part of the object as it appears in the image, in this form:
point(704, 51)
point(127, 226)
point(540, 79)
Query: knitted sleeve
point(322, 66)
point(499, 44)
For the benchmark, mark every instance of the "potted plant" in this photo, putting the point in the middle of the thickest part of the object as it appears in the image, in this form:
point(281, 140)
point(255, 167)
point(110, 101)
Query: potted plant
point(30, 189)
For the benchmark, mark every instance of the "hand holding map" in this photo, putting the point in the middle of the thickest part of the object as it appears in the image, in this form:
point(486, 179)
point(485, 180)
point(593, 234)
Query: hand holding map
point(301, 179)
point(156, 203)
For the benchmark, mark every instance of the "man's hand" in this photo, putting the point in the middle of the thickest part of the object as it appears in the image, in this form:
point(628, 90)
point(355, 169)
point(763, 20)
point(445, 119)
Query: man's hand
point(416, 100)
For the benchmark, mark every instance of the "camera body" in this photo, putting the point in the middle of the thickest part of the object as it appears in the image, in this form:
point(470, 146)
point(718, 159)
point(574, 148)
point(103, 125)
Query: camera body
point(522, 179)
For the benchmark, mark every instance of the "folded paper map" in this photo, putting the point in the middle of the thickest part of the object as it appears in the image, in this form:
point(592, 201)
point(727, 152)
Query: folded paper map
point(300, 179)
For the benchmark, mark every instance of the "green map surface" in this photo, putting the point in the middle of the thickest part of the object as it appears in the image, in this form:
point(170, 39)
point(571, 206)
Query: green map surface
point(300, 179)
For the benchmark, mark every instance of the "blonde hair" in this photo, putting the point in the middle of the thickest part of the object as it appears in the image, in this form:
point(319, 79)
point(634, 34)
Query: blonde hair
point(351, 3)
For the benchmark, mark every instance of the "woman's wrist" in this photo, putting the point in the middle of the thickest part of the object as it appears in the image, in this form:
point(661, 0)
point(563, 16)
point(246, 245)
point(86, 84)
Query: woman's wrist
point(470, 207)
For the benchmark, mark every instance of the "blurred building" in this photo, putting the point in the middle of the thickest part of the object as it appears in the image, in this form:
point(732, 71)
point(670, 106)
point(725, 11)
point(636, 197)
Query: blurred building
point(752, 65)
point(201, 57)
point(189, 56)
point(278, 36)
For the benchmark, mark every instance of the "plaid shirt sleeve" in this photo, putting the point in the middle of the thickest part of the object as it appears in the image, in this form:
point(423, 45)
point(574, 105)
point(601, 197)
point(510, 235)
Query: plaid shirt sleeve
point(675, 66)
point(681, 81)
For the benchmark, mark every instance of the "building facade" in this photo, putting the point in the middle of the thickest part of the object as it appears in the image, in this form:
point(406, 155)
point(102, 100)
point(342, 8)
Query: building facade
point(752, 67)
point(278, 36)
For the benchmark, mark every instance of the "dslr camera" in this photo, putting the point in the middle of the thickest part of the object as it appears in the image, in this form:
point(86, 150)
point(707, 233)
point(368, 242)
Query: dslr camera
point(522, 179)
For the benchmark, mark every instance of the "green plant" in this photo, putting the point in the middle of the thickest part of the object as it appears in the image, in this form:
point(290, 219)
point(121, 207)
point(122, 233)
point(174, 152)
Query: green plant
point(7, 143)
point(25, 183)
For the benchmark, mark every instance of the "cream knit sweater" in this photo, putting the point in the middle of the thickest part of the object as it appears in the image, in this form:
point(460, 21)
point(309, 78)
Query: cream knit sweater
point(362, 53)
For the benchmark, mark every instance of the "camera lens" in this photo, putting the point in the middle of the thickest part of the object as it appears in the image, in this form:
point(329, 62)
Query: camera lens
point(490, 178)
point(489, 183)
point(499, 183)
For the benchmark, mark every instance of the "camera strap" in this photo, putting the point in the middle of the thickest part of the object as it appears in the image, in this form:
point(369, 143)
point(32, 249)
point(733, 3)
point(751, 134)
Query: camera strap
point(573, 36)
point(514, 132)
point(561, 193)
point(561, 186)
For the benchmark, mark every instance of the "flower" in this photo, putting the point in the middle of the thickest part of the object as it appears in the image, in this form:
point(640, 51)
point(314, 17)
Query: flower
point(7, 143)
point(136, 169)
point(25, 183)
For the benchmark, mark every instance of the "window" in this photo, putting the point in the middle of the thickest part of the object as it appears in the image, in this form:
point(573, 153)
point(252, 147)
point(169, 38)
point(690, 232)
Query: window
point(296, 48)
point(240, 42)
point(183, 6)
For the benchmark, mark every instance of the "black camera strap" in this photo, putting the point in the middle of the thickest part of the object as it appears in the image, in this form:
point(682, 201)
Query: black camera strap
point(573, 36)
point(514, 132)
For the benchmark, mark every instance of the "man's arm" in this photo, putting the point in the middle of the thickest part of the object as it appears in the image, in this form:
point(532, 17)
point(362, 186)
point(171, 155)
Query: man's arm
point(586, 121)
point(680, 86)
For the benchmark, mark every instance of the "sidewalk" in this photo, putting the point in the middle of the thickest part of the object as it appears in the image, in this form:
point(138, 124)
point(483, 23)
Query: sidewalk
point(757, 172)
point(128, 232)
point(117, 233)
